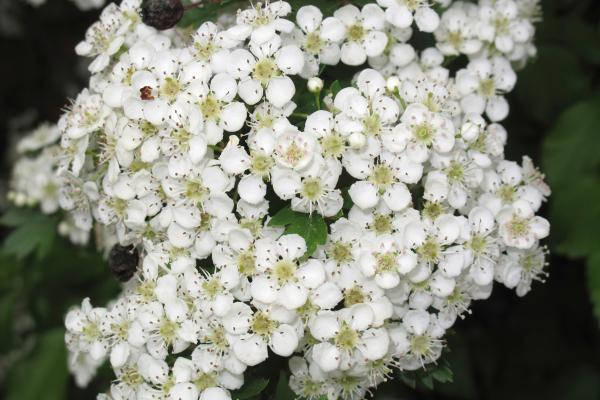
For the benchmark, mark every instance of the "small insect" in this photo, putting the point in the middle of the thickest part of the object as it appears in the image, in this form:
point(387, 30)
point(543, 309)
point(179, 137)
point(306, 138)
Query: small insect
point(146, 93)
point(162, 14)
point(123, 262)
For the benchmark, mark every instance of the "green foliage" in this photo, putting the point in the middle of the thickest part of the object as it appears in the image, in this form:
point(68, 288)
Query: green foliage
point(33, 232)
point(283, 390)
point(440, 372)
point(251, 389)
point(311, 227)
point(571, 160)
point(43, 375)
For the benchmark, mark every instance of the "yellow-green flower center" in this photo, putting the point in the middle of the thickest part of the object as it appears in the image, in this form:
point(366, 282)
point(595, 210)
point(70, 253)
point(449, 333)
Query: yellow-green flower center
point(264, 70)
point(347, 338)
point(312, 189)
point(430, 251)
point(356, 32)
point(333, 145)
point(170, 89)
point(263, 325)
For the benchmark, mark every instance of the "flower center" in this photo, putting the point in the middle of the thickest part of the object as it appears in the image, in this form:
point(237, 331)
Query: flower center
point(205, 381)
point(131, 376)
point(518, 226)
point(455, 172)
point(260, 164)
point(356, 33)
point(382, 177)
point(420, 345)
point(347, 338)
point(313, 43)
point(333, 145)
point(487, 87)
point(91, 331)
point(284, 272)
point(354, 295)
point(424, 133)
point(246, 263)
point(340, 252)
point(146, 290)
point(211, 108)
point(433, 209)
point(253, 225)
point(168, 330)
point(204, 50)
point(430, 251)
point(478, 244)
point(218, 338)
point(170, 89)
point(120, 330)
point(263, 325)
point(264, 70)
point(382, 224)
point(385, 262)
point(372, 125)
point(312, 189)
point(196, 191)
point(507, 193)
point(212, 287)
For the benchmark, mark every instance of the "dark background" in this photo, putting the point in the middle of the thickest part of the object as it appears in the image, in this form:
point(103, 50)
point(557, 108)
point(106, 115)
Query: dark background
point(543, 346)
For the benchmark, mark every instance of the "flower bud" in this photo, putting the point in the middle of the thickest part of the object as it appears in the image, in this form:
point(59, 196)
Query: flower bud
point(393, 83)
point(357, 140)
point(315, 85)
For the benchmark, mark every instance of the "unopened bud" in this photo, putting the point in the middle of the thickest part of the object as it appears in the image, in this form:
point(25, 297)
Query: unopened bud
point(315, 85)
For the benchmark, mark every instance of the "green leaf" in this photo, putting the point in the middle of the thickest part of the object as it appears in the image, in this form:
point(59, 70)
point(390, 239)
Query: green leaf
point(575, 216)
point(439, 372)
point(34, 232)
point(251, 389)
point(335, 88)
point(311, 227)
point(348, 203)
point(571, 148)
point(15, 217)
point(553, 64)
point(283, 390)
point(43, 375)
point(593, 282)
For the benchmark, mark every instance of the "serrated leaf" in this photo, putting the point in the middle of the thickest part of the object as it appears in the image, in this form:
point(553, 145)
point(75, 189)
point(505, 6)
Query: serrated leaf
point(33, 233)
point(251, 389)
point(43, 375)
point(571, 148)
point(311, 227)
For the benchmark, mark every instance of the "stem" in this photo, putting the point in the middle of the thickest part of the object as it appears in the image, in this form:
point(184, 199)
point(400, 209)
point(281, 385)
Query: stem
point(318, 100)
point(300, 115)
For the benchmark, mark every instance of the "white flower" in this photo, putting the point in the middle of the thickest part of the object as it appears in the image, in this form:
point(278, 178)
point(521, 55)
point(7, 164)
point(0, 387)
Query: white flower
point(519, 227)
point(482, 85)
point(401, 13)
point(422, 131)
point(319, 39)
point(262, 22)
point(364, 33)
point(265, 70)
point(457, 32)
point(277, 261)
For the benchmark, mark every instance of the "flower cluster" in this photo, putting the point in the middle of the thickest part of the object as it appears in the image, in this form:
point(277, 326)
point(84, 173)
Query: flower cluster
point(184, 151)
